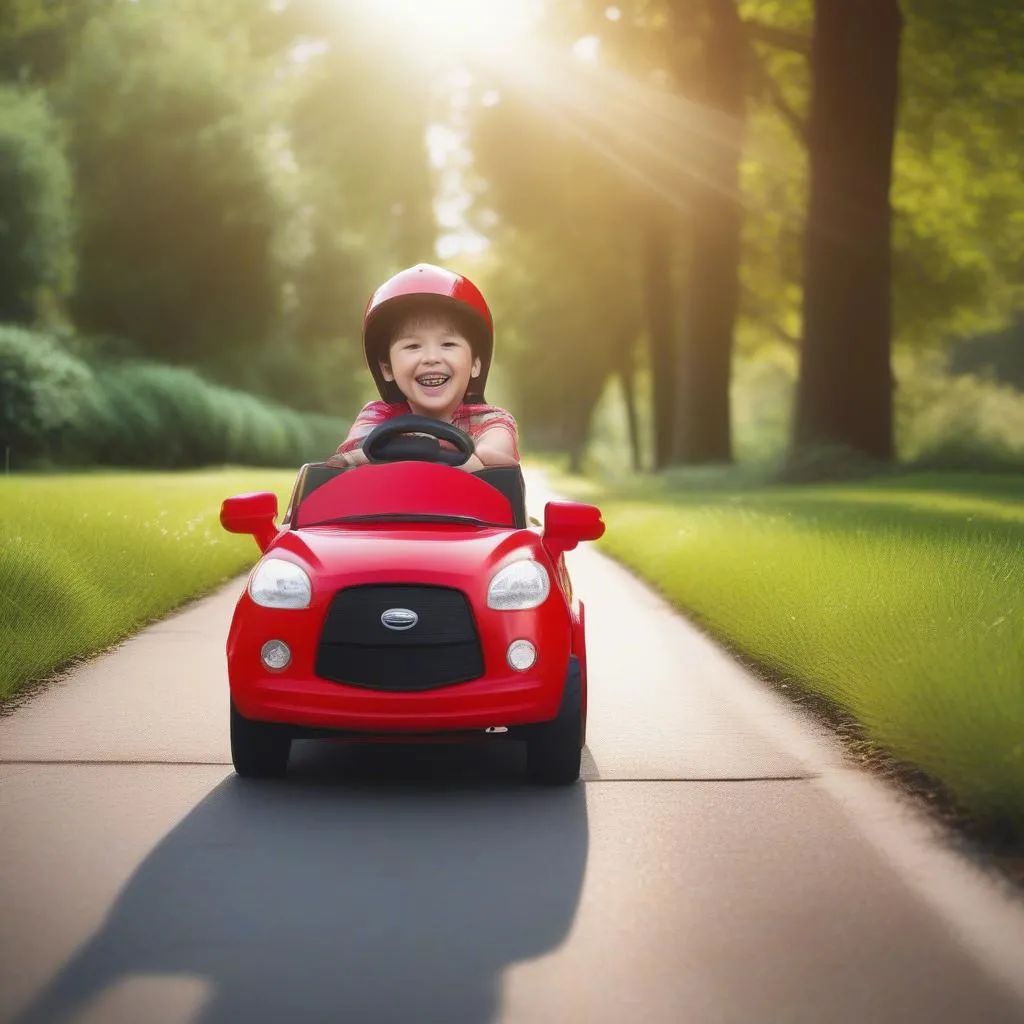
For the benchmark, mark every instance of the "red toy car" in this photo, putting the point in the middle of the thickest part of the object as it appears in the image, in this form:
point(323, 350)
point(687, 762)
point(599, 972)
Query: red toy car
point(406, 599)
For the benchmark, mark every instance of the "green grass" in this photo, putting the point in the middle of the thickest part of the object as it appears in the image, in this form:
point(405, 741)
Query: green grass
point(901, 600)
point(87, 559)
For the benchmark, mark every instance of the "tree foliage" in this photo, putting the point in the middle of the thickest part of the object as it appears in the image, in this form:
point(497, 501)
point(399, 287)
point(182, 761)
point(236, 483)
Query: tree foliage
point(566, 268)
point(245, 172)
point(577, 167)
point(956, 187)
point(238, 190)
point(37, 37)
point(177, 209)
point(35, 208)
point(364, 192)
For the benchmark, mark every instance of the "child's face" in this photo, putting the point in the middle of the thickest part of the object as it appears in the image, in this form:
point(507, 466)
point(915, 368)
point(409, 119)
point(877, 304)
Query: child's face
point(432, 364)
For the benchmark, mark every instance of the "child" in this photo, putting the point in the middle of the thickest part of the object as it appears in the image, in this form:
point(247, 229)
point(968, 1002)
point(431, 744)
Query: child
point(428, 337)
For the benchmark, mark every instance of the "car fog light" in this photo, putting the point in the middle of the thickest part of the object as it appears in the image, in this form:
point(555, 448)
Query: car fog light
point(275, 654)
point(521, 655)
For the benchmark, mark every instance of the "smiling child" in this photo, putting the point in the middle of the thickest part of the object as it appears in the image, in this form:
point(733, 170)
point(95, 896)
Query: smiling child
point(428, 337)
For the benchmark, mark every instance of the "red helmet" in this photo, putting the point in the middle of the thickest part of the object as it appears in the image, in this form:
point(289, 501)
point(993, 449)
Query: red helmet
point(422, 287)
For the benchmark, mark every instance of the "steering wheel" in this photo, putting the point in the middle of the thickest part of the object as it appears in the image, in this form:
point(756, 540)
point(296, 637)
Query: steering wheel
point(386, 443)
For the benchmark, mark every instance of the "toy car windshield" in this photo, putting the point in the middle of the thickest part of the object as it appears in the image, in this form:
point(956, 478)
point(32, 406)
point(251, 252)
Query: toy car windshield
point(400, 492)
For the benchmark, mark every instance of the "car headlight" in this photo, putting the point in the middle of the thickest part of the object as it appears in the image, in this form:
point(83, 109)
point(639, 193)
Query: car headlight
point(523, 584)
point(280, 584)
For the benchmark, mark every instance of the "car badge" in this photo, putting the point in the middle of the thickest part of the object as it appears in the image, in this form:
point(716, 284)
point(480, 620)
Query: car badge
point(399, 618)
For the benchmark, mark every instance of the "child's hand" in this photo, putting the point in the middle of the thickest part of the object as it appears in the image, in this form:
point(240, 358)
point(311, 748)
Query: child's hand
point(342, 460)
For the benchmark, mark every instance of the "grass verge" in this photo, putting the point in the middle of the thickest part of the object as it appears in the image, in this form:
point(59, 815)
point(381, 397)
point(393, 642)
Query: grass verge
point(899, 601)
point(87, 559)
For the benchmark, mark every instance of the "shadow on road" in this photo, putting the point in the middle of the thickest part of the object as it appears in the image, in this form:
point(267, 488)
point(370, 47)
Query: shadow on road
point(375, 884)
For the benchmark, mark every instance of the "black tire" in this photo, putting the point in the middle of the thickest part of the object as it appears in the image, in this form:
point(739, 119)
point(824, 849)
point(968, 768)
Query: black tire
point(259, 750)
point(554, 750)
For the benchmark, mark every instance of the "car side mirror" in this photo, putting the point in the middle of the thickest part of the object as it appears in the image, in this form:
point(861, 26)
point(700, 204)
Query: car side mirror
point(566, 523)
point(251, 513)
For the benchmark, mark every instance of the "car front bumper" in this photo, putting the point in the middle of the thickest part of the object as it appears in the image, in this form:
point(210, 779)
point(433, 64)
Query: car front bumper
point(477, 705)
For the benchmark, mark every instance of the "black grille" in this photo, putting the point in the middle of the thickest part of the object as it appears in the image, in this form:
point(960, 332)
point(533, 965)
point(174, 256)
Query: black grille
point(441, 649)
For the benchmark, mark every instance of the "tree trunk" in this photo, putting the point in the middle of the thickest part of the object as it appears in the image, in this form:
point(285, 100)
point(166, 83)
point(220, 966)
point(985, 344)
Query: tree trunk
point(844, 396)
point(577, 415)
point(577, 435)
point(627, 378)
point(702, 431)
point(658, 297)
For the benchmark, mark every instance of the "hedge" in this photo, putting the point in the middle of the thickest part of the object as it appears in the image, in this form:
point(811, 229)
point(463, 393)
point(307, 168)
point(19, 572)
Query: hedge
point(57, 409)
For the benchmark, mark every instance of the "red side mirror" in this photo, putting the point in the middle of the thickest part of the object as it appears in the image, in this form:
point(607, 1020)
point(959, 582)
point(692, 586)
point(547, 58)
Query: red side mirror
point(251, 513)
point(566, 523)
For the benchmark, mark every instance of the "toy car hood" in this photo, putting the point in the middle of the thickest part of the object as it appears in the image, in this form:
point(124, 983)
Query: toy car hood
point(397, 552)
point(372, 522)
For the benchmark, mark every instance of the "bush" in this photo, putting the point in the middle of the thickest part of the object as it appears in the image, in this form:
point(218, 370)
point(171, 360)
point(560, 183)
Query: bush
point(44, 393)
point(150, 415)
point(161, 416)
point(55, 407)
point(966, 422)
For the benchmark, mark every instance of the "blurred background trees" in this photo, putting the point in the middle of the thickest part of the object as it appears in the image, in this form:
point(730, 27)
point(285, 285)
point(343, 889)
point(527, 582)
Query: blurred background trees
point(710, 229)
point(36, 262)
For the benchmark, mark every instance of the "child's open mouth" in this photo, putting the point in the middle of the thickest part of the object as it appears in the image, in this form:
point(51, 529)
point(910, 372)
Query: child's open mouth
point(432, 381)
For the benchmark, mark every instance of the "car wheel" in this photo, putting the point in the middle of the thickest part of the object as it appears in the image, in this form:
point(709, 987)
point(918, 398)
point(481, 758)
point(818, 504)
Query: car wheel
point(553, 752)
point(259, 750)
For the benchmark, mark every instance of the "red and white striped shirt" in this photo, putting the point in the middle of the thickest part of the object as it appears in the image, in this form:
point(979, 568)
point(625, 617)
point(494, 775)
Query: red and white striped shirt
point(475, 420)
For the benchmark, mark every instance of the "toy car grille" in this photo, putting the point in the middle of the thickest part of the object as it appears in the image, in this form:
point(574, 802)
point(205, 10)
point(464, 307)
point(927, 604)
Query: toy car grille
point(440, 649)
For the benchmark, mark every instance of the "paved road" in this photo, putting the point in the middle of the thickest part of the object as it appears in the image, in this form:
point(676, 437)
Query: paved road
point(718, 864)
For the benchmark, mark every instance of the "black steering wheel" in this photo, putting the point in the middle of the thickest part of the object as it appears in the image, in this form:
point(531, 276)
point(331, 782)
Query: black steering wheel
point(389, 442)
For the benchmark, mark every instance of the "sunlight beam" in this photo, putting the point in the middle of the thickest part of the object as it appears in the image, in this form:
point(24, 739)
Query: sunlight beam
point(459, 26)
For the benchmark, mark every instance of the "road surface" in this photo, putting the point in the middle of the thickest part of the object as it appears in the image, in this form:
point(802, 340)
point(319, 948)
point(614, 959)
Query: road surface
point(719, 862)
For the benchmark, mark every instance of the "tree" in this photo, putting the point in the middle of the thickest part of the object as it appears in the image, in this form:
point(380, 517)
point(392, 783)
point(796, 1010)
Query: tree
point(575, 158)
point(660, 124)
point(845, 388)
point(37, 37)
point(644, 46)
point(661, 326)
point(178, 212)
point(364, 187)
point(365, 177)
point(35, 211)
point(566, 301)
point(702, 429)
point(959, 246)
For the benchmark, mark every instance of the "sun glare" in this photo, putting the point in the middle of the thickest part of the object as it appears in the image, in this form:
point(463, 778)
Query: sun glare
point(460, 25)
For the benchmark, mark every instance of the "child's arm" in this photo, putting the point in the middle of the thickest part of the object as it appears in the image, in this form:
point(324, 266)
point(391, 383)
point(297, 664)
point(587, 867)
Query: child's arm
point(350, 451)
point(495, 447)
